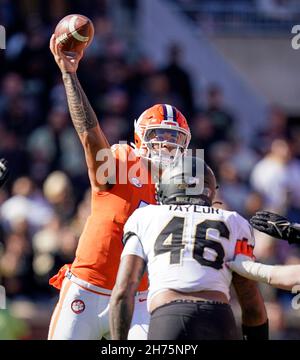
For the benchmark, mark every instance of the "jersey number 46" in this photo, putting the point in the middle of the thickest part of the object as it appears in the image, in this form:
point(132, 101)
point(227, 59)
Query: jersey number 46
point(171, 240)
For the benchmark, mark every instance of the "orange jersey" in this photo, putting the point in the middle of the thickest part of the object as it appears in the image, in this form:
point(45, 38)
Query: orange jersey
point(100, 245)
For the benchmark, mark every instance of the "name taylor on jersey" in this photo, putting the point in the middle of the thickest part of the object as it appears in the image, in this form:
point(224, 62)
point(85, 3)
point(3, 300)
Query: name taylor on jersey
point(194, 208)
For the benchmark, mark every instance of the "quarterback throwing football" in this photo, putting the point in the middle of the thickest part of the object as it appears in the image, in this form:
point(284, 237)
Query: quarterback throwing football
point(86, 285)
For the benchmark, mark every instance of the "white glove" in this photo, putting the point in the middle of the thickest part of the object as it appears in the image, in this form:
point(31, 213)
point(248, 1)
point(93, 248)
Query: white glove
point(249, 269)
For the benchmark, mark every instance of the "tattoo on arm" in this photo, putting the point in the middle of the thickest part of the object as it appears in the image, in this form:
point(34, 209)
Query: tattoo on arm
point(122, 301)
point(82, 114)
point(124, 312)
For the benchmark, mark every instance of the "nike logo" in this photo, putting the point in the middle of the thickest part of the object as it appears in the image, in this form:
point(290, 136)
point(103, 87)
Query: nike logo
point(142, 300)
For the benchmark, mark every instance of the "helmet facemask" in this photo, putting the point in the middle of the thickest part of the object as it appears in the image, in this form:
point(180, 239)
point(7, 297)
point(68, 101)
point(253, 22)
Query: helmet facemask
point(163, 144)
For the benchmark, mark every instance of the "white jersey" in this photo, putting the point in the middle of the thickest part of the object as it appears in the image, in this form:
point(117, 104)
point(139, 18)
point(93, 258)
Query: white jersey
point(185, 246)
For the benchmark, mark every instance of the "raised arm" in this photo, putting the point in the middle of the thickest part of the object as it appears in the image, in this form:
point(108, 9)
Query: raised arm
point(254, 315)
point(83, 116)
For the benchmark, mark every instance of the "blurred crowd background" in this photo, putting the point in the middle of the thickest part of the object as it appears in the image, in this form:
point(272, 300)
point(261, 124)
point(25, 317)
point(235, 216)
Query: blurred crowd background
point(45, 203)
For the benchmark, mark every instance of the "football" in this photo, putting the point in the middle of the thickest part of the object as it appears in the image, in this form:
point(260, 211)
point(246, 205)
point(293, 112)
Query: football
point(74, 32)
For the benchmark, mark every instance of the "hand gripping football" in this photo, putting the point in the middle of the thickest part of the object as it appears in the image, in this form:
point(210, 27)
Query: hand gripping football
point(74, 32)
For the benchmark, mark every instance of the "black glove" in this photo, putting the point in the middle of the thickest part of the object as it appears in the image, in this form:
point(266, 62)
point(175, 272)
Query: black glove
point(4, 172)
point(277, 226)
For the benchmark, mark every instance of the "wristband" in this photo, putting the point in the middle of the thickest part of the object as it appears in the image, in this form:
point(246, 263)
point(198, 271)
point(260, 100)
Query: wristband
point(260, 332)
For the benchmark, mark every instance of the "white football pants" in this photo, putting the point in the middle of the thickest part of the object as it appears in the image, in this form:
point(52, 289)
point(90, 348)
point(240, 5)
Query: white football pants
point(82, 314)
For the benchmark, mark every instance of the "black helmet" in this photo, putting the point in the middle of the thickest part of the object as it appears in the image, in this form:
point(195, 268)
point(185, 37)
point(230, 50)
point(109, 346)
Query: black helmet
point(189, 181)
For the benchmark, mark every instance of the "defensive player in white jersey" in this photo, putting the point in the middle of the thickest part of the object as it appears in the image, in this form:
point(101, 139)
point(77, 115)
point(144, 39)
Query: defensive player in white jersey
point(185, 243)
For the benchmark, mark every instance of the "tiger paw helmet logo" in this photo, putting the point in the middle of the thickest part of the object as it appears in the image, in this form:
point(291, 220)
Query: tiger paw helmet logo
point(77, 306)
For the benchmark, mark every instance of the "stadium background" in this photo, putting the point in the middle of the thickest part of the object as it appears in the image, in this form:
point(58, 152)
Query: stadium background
point(227, 65)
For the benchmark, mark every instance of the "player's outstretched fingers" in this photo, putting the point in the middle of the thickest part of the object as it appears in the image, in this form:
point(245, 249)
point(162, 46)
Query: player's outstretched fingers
point(256, 222)
point(57, 48)
point(262, 213)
